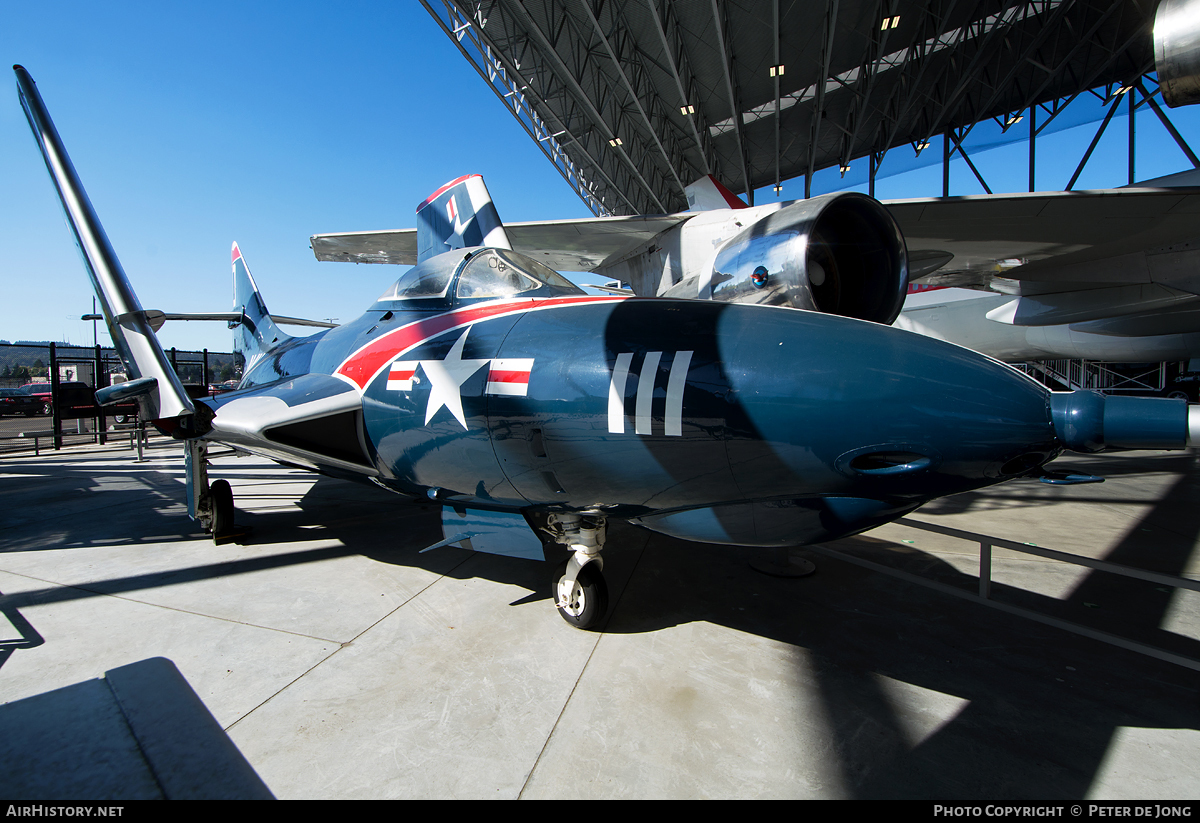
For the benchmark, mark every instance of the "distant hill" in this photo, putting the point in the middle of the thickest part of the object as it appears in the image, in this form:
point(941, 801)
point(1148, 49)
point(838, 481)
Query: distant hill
point(35, 356)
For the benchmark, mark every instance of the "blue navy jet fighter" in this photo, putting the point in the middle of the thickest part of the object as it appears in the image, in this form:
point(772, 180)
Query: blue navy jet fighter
point(535, 414)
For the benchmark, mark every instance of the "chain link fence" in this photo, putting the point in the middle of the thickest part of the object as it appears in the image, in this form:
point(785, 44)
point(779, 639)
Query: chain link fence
point(47, 392)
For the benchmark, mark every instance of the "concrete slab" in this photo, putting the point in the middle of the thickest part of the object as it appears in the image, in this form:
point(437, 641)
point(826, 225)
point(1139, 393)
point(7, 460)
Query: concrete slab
point(343, 663)
point(140, 732)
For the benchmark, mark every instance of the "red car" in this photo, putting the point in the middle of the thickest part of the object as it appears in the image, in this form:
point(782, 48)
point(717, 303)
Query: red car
point(38, 398)
point(75, 400)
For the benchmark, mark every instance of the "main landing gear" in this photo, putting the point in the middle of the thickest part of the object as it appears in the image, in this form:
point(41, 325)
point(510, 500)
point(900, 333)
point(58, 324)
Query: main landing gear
point(209, 505)
point(580, 593)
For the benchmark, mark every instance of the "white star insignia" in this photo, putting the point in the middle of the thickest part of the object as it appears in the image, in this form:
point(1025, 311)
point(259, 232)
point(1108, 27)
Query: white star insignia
point(446, 377)
point(457, 229)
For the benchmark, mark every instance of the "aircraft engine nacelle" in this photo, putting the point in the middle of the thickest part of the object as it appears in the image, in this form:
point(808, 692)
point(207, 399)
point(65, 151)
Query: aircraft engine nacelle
point(1177, 51)
point(838, 254)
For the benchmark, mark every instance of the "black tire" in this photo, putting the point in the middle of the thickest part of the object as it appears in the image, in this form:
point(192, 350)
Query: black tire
point(587, 603)
point(220, 497)
point(119, 419)
point(47, 409)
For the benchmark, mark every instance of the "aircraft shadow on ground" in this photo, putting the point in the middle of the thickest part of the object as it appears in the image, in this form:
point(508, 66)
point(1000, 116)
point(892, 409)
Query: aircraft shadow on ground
point(1028, 492)
point(1041, 705)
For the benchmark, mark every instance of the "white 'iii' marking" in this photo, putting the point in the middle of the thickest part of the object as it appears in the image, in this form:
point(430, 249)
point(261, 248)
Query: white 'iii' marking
point(643, 408)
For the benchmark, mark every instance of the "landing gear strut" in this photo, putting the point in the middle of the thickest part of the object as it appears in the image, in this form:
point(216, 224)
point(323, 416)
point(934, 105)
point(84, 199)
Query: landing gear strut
point(580, 593)
point(209, 505)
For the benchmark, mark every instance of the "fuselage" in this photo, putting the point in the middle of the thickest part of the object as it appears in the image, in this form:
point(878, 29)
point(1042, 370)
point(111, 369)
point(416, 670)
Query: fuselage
point(750, 425)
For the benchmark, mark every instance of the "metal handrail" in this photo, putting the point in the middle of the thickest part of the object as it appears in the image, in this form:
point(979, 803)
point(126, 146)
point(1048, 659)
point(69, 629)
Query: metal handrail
point(986, 543)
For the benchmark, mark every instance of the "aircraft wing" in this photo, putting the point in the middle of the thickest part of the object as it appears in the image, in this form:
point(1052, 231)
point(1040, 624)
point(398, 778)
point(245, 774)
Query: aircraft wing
point(1118, 257)
point(563, 245)
point(1054, 241)
point(1064, 257)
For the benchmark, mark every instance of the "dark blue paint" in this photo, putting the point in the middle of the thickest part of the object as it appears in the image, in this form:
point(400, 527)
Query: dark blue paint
point(795, 426)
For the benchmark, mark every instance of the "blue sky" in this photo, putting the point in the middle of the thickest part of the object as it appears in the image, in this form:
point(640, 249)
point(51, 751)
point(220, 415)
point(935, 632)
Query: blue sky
point(194, 126)
point(197, 126)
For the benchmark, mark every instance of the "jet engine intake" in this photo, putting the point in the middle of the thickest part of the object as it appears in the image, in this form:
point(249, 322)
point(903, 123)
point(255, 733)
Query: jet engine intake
point(839, 254)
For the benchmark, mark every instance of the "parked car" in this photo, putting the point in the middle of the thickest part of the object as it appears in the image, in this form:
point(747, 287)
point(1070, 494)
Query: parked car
point(39, 398)
point(15, 401)
point(76, 399)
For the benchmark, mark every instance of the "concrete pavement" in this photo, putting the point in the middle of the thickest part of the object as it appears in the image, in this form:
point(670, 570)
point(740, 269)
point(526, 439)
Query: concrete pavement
point(343, 664)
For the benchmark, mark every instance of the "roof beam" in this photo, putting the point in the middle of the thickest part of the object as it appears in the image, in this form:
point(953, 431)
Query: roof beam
point(775, 72)
point(866, 80)
point(548, 143)
point(1040, 37)
point(685, 101)
point(525, 81)
point(609, 132)
point(586, 5)
point(734, 108)
point(968, 76)
point(831, 10)
point(1099, 133)
point(1187, 150)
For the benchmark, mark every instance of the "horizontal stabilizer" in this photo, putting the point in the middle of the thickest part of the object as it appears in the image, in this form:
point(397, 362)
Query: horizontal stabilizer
point(612, 289)
point(156, 318)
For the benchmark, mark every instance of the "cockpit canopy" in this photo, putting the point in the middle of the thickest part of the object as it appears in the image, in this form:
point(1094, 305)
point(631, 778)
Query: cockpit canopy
point(475, 274)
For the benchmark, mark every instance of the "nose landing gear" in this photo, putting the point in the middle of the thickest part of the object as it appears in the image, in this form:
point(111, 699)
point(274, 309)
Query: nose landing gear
point(580, 593)
point(582, 601)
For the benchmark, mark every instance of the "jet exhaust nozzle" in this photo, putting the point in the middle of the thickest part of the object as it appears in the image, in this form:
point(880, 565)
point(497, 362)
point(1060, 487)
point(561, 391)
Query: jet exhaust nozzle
point(1086, 421)
point(838, 254)
point(1177, 51)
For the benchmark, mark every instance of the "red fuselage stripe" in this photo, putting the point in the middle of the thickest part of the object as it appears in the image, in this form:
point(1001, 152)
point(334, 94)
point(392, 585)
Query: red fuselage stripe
point(361, 366)
point(508, 376)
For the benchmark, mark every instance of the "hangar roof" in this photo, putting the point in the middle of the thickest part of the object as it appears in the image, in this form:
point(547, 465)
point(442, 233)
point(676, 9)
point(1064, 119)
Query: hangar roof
point(632, 100)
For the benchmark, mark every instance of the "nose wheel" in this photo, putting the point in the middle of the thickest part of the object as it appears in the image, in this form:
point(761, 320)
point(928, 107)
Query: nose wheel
point(583, 600)
point(580, 593)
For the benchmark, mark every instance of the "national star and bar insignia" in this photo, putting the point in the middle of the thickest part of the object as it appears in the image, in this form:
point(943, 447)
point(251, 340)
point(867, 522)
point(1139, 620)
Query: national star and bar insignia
point(506, 377)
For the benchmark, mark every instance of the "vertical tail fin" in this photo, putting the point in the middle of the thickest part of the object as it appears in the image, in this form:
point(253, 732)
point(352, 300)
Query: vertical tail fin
point(160, 394)
point(256, 333)
point(458, 215)
point(707, 193)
